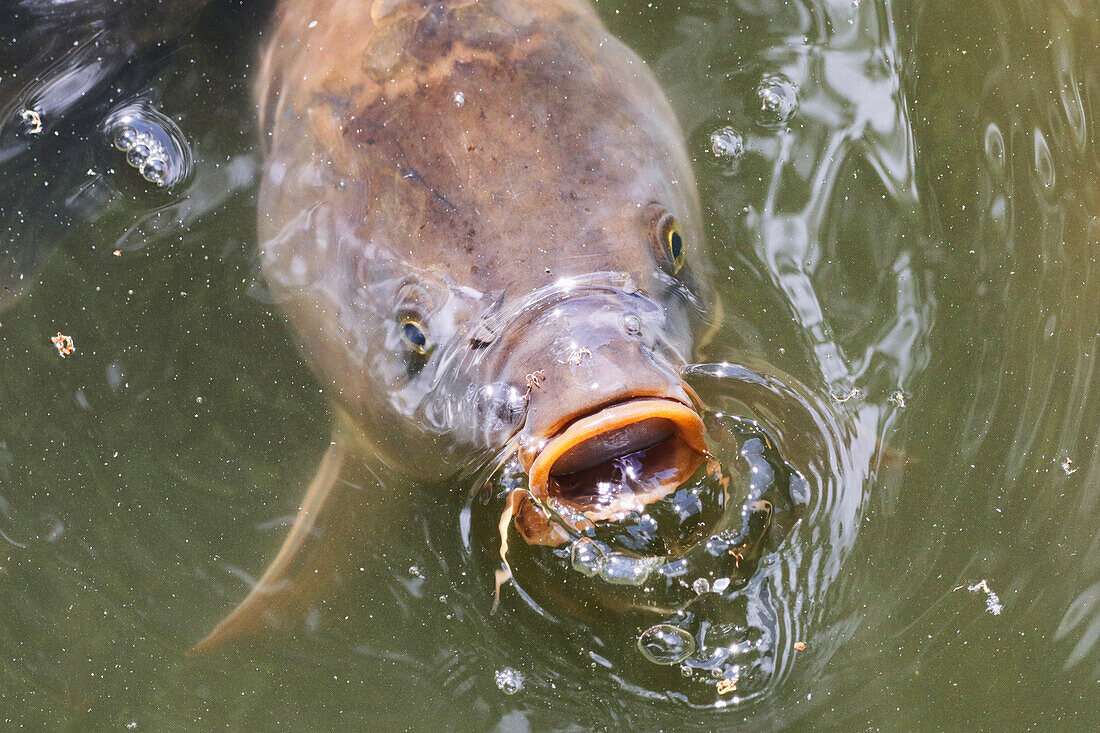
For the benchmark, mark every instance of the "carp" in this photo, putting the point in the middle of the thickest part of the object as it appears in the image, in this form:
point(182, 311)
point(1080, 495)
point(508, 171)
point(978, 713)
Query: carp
point(481, 222)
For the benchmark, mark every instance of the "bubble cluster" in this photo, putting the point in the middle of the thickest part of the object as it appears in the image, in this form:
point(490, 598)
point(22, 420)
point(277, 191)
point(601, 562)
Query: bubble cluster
point(666, 644)
point(775, 100)
point(509, 681)
point(593, 558)
point(727, 144)
point(152, 143)
point(143, 152)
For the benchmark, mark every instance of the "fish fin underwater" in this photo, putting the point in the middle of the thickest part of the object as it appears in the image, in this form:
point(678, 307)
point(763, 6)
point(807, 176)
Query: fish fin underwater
point(320, 548)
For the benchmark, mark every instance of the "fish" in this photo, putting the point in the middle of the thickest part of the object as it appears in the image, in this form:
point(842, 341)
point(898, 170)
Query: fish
point(480, 220)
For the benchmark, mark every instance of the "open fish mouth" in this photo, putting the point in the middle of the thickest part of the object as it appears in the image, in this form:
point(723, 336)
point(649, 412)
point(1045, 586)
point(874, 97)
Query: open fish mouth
point(609, 463)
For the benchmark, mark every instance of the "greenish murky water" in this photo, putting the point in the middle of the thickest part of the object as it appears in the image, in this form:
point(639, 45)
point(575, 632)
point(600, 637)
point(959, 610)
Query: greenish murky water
point(903, 202)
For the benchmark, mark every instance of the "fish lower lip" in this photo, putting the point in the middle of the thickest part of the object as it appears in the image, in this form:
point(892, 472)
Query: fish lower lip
point(616, 460)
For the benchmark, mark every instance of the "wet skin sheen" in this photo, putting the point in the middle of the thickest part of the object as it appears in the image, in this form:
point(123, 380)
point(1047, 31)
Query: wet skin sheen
point(480, 220)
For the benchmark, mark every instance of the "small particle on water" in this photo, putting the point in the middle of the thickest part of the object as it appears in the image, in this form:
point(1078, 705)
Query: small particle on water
point(701, 586)
point(63, 343)
point(33, 121)
point(666, 644)
point(117, 253)
point(776, 100)
point(800, 646)
point(509, 681)
point(459, 99)
point(1067, 466)
point(845, 398)
point(728, 143)
point(415, 571)
point(992, 600)
point(898, 398)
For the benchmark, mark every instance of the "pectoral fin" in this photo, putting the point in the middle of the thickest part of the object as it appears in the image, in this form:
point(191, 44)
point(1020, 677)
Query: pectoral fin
point(297, 575)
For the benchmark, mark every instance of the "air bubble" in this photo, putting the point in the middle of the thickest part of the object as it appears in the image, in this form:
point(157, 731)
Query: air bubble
point(509, 681)
point(154, 170)
point(728, 144)
point(620, 569)
point(588, 556)
point(666, 644)
point(139, 154)
point(775, 100)
point(716, 546)
point(674, 569)
point(125, 137)
point(701, 586)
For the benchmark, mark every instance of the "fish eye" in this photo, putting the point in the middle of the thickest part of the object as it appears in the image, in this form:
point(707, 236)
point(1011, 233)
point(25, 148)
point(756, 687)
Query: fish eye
point(415, 335)
point(668, 240)
point(673, 238)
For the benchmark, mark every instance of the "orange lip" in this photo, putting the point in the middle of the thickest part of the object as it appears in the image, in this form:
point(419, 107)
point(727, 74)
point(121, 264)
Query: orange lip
point(670, 426)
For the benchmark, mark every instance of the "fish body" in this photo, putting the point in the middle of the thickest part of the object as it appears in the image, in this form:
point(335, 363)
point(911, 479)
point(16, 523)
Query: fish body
point(481, 221)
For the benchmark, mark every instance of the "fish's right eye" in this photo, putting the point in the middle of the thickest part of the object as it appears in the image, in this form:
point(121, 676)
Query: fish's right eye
point(414, 334)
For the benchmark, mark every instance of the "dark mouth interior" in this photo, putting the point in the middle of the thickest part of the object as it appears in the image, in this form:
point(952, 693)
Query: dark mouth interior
point(612, 444)
point(631, 460)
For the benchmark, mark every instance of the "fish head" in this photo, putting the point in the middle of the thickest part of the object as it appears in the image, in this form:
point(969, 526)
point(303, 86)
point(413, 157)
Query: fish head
point(490, 240)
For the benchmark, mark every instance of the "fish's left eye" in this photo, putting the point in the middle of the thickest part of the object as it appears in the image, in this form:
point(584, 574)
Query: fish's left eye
point(672, 237)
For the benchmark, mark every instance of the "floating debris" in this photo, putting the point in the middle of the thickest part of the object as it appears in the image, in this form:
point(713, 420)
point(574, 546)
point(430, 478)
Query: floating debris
point(800, 646)
point(1068, 467)
point(577, 356)
point(33, 120)
point(727, 686)
point(459, 99)
point(534, 381)
point(992, 601)
point(845, 398)
point(898, 398)
point(117, 253)
point(509, 681)
point(63, 343)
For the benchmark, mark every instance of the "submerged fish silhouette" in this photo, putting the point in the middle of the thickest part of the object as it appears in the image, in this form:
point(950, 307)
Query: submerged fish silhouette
point(477, 216)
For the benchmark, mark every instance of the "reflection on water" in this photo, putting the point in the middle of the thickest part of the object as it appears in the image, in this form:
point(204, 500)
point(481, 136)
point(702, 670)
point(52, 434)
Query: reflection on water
point(903, 203)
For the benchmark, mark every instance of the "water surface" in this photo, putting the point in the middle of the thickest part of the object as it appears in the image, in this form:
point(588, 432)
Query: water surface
point(904, 214)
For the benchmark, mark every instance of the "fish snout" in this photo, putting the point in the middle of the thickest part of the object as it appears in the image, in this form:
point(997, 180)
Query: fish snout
point(609, 425)
point(604, 465)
